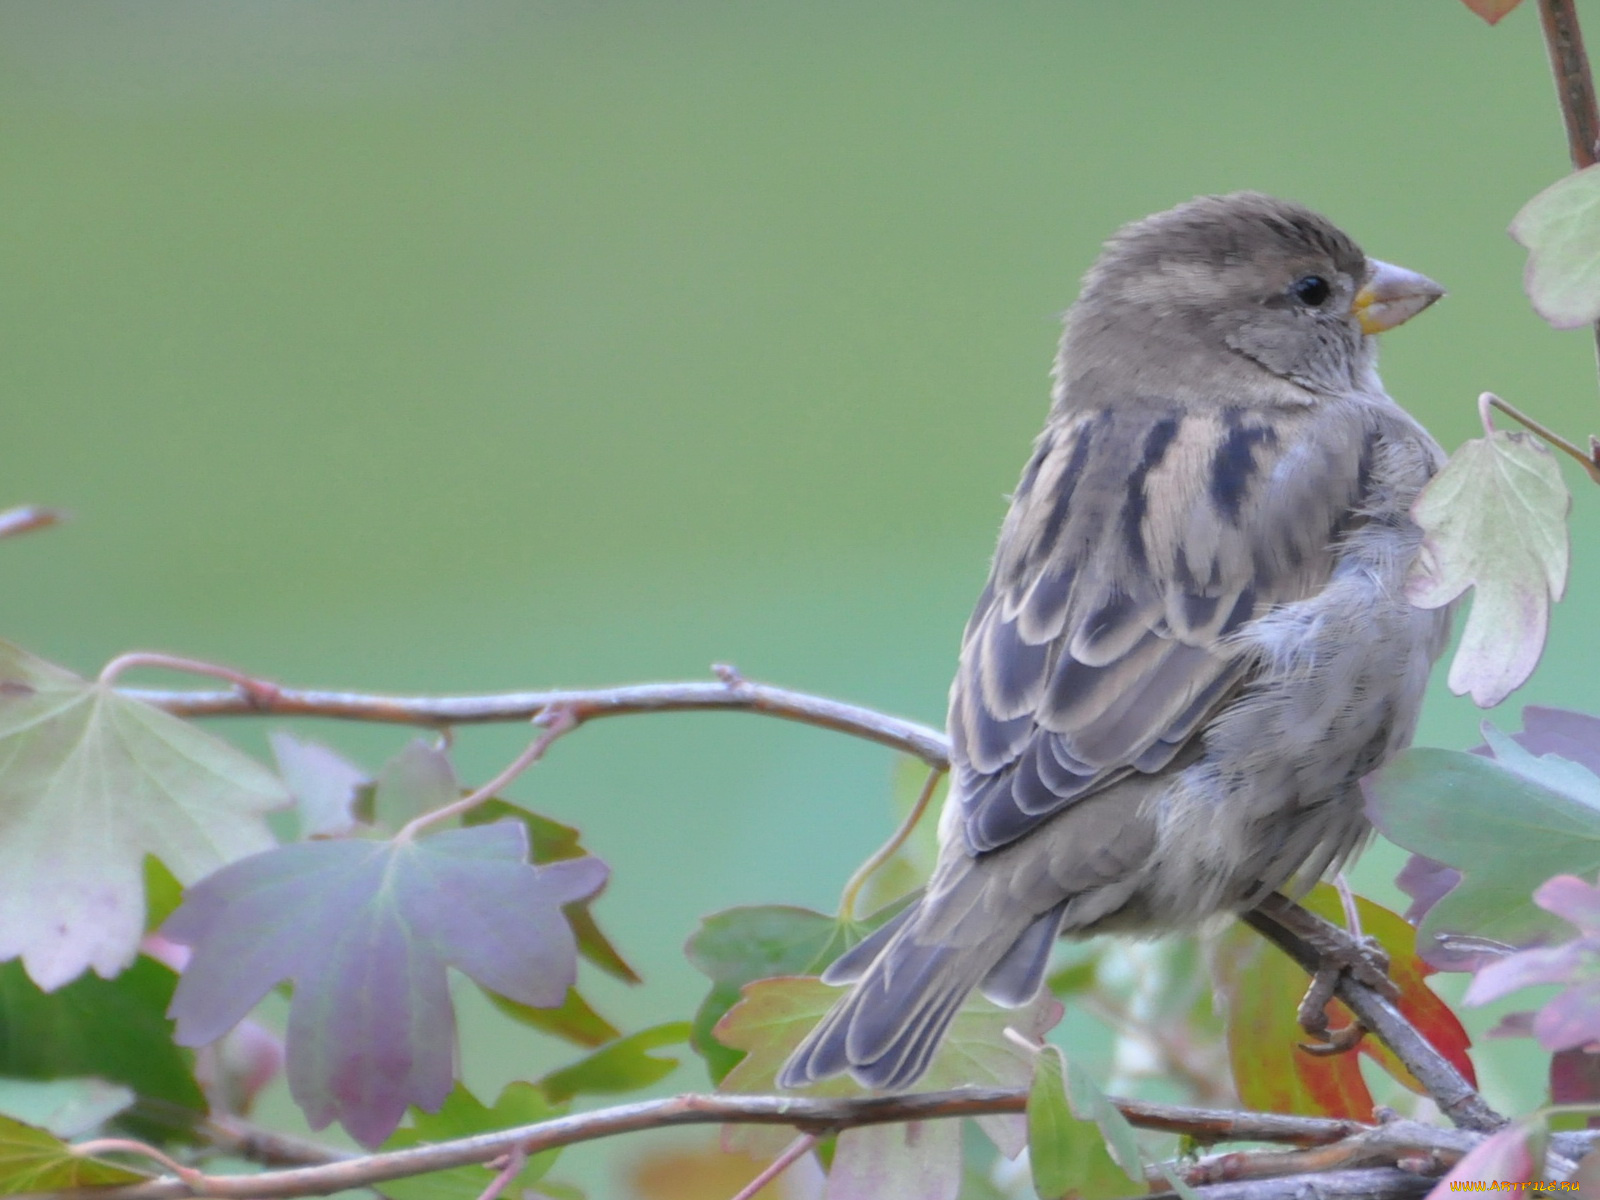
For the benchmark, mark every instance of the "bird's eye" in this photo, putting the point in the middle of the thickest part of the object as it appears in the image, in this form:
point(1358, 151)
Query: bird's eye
point(1311, 289)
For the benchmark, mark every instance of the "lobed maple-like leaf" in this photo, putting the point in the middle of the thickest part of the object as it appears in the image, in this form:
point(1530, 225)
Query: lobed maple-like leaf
point(322, 781)
point(32, 1160)
point(1505, 823)
point(741, 945)
point(1560, 229)
point(90, 783)
point(1494, 519)
point(366, 930)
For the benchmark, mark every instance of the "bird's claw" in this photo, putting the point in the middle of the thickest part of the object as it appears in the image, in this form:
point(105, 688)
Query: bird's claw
point(1366, 961)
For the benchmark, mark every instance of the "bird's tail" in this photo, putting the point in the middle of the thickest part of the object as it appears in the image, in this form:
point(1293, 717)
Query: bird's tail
point(912, 975)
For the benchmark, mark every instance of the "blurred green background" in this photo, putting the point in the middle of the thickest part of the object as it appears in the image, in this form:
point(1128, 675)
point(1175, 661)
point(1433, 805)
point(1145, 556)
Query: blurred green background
point(486, 344)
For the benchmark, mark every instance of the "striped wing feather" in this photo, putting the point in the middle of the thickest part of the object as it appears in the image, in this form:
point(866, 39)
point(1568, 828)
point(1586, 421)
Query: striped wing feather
point(1140, 538)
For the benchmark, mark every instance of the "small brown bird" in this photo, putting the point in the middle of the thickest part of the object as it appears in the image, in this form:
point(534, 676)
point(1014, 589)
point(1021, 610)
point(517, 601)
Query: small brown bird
point(1193, 642)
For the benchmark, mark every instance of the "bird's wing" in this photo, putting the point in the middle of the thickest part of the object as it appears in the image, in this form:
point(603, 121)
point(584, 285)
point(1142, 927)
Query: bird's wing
point(1141, 536)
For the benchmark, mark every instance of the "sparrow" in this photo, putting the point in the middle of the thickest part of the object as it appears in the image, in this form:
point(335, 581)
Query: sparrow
point(1194, 640)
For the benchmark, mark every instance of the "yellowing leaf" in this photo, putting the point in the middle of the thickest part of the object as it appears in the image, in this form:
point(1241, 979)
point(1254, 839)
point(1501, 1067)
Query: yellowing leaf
point(1560, 228)
point(32, 1160)
point(1494, 519)
point(90, 783)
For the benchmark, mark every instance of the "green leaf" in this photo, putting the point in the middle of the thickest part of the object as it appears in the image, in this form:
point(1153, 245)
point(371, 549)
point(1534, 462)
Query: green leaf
point(740, 945)
point(417, 780)
point(1067, 1148)
point(1507, 824)
point(573, 1019)
point(63, 1107)
point(1494, 519)
point(1089, 1103)
point(90, 783)
point(1560, 229)
point(115, 1029)
point(463, 1115)
point(626, 1065)
point(32, 1160)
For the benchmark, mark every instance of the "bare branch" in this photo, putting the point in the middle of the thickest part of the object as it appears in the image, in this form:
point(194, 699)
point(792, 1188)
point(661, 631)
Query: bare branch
point(1372, 1183)
point(807, 1114)
point(735, 695)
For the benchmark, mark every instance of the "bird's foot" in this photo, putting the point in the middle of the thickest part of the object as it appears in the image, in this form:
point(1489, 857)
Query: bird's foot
point(1337, 953)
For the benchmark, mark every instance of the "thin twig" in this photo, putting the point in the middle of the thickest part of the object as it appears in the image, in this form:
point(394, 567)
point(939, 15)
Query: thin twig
point(1285, 924)
point(792, 1153)
point(557, 721)
point(805, 1113)
point(852, 889)
point(911, 737)
point(256, 692)
point(1590, 460)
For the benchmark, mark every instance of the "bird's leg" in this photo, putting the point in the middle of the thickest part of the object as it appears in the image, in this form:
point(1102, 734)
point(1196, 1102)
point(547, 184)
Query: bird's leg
point(1327, 952)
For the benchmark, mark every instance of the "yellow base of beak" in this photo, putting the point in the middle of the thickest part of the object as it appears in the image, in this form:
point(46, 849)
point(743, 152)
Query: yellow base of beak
point(1392, 296)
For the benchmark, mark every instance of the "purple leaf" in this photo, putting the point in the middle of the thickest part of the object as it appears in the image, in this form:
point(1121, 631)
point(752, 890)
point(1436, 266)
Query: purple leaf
point(1572, 1019)
point(1526, 968)
point(1513, 1155)
point(1560, 731)
point(1516, 1024)
point(1571, 899)
point(323, 782)
point(918, 1158)
point(1575, 1078)
point(365, 931)
point(1426, 881)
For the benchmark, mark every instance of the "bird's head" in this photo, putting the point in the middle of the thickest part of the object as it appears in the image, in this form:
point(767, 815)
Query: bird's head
point(1242, 276)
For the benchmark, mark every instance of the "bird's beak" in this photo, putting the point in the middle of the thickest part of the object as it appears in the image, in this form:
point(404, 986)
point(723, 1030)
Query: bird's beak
point(1393, 295)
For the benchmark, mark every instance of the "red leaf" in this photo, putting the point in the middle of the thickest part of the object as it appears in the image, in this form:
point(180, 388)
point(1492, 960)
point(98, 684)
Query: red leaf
point(1261, 989)
point(1491, 10)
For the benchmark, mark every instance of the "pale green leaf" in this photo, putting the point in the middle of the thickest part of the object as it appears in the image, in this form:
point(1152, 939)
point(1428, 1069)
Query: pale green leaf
point(463, 1115)
point(1494, 519)
point(1560, 228)
point(90, 783)
point(32, 1160)
point(1069, 1146)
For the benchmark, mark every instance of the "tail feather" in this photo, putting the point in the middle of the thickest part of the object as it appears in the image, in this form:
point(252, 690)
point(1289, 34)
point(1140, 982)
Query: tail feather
point(885, 1031)
point(1019, 975)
